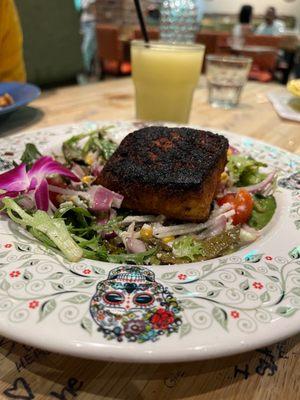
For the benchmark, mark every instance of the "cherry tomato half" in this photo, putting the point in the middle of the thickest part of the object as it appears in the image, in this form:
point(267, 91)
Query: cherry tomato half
point(242, 203)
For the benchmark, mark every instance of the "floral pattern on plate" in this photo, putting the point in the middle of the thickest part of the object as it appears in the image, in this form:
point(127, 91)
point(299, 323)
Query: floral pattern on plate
point(135, 304)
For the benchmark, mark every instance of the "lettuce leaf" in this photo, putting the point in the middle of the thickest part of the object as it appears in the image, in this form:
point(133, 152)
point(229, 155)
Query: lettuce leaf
point(263, 211)
point(244, 171)
point(187, 247)
point(51, 231)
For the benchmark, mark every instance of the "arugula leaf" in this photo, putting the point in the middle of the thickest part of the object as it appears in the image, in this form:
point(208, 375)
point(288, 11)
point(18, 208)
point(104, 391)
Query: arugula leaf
point(263, 211)
point(93, 255)
point(91, 244)
point(65, 208)
point(244, 170)
point(78, 220)
point(113, 225)
point(73, 151)
point(97, 143)
point(91, 248)
point(30, 154)
point(106, 147)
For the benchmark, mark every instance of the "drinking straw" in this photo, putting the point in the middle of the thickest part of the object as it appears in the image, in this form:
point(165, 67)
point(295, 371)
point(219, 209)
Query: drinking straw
point(141, 20)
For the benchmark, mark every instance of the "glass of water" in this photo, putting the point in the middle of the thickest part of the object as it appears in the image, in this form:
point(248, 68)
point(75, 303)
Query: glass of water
point(226, 77)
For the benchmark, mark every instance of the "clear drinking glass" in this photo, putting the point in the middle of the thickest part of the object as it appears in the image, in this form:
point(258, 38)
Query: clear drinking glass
point(226, 77)
point(165, 76)
point(179, 20)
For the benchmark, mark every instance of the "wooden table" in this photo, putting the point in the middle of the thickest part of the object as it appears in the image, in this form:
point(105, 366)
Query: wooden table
point(114, 99)
point(265, 374)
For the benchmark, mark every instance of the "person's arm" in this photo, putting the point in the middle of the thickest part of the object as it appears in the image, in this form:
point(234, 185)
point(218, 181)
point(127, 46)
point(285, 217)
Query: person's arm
point(11, 44)
point(89, 6)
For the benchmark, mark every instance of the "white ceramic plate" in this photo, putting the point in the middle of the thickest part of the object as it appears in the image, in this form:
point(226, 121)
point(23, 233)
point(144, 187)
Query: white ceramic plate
point(202, 310)
point(283, 103)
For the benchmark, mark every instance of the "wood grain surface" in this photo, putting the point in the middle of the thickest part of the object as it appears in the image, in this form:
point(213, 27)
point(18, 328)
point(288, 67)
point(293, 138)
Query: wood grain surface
point(114, 100)
point(266, 374)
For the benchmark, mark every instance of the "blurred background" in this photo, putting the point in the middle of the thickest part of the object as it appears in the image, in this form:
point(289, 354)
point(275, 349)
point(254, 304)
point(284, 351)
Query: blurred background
point(67, 41)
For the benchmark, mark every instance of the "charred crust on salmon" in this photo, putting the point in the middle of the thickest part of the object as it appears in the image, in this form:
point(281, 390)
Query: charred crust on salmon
point(167, 156)
point(174, 164)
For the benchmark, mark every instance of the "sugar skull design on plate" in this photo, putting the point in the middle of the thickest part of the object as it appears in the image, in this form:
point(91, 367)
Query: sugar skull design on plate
point(131, 305)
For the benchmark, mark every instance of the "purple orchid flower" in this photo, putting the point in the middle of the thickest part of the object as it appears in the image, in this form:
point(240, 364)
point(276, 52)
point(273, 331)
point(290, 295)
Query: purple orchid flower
point(18, 180)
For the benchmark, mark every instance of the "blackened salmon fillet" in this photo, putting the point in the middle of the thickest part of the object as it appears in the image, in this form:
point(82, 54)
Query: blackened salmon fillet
point(169, 171)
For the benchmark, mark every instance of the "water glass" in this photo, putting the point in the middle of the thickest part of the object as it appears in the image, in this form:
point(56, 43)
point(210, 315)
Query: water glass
point(226, 77)
point(179, 21)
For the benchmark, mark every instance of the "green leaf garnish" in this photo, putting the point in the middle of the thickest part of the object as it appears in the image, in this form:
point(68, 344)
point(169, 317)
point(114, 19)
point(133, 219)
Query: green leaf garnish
point(96, 142)
point(187, 247)
point(263, 211)
point(30, 154)
point(244, 171)
point(54, 229)
point(138, 259)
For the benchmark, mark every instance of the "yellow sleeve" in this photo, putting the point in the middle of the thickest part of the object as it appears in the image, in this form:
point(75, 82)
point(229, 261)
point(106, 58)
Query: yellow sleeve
point(11, 44)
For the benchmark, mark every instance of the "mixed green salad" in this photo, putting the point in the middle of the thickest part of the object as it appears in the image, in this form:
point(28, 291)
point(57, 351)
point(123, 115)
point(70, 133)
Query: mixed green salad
point(58, 200)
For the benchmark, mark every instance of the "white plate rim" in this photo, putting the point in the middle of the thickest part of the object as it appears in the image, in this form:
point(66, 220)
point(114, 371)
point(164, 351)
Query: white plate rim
point(153, 352)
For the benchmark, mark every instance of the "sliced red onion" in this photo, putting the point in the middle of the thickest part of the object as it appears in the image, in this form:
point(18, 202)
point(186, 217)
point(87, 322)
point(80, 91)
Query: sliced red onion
point(141, 218)
point(96, 169)
point(26, 202)
point(135, 245)
point(102, 199)
point(41, 196)
point(258, 188)
point(99, 198)
point(129, 234)
point(130, 230)
point(184, 229)
point(221, 210)
point(268, 190)
point(77, 170)
point(65, 191)
point(52, 207)
point(15, 180)
point(180, 227)
point(216, 228)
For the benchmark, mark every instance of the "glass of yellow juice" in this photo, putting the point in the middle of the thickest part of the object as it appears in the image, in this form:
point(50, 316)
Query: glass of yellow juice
point(165, 76)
